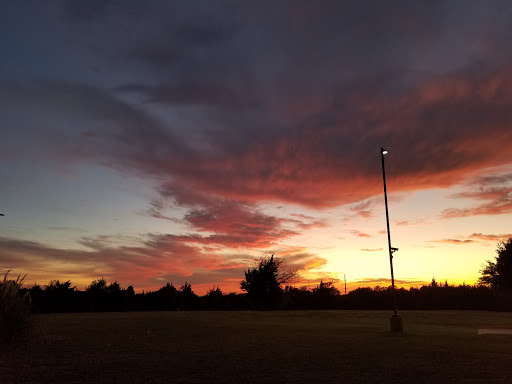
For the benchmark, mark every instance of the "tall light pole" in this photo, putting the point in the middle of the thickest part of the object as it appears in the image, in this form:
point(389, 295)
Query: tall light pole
point(395, 321)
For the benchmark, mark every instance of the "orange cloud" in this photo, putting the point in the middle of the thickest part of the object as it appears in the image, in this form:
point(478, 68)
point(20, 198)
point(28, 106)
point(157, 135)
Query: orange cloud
point(453, 241)
point(439, 132)
point(493, 238)
point(475, 237)
point(385, 282)
point(156, 260)
point(360, 234)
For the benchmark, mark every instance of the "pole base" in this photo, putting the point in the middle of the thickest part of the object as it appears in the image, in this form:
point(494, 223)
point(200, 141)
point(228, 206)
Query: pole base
point(395, 324)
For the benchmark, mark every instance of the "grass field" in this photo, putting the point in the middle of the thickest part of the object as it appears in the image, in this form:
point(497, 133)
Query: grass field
point(261, 347)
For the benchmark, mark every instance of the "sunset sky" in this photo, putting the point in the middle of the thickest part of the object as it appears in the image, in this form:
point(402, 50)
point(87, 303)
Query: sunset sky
point(158, 141)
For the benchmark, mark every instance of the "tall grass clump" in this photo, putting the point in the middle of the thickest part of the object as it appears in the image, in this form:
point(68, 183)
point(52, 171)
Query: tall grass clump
point(14, 308)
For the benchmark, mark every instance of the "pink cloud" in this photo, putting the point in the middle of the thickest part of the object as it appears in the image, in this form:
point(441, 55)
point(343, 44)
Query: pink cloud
point(475, 237)
point(360, 234)
point(439, 132)
point(493, 238)
point(495, 190)
point(149, 265)
point(454, 241)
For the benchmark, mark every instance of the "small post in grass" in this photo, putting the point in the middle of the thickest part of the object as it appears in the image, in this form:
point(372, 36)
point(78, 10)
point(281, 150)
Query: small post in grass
point(395, 322)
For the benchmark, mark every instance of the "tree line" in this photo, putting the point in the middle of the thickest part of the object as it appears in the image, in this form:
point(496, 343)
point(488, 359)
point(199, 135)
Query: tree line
point(266, 287)
point(60, 297)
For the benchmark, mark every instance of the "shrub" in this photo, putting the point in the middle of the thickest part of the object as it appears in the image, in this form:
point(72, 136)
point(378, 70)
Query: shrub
point(14, 308)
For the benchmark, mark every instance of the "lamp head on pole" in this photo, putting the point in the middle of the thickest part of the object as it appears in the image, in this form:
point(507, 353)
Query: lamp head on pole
point(384, 151)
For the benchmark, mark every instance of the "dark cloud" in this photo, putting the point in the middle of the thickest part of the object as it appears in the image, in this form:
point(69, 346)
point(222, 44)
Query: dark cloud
point(294, 113)
point(188, 94)
point(324, 162)
point(94, 9)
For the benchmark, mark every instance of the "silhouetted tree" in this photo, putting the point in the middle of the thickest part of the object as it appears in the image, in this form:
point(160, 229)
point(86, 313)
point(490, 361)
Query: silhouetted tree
point(59, 297)
point(263, 283)
point(498, 274)
point(97, 286)
point(97, 293)
point(214, 299)
point(297, 298)
point(130, 291)
point(167, 298)
point(325, 295)
point(114, 288)
point(188, 297)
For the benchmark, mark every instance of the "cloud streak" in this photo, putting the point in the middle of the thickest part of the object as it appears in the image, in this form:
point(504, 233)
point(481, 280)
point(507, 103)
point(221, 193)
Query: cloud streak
point(454, 241)
point(147, 265)
point(494, 192)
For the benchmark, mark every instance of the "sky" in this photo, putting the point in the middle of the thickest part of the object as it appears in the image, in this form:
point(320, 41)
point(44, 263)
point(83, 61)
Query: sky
point(171, 141)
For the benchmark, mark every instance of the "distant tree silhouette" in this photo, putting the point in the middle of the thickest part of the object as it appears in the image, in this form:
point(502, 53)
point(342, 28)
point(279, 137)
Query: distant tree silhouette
point(326, 289)
point(60, 297)
point(263, 286)
point(98, 286)
point(166, 298)
point(214, 299)
point(114, 288)
point(325, 295)
point(103, 297)
point(263, 282)
point(297, 298)
point(57, 286)
point(188, 299)
point(498, 274)
point(130, 291)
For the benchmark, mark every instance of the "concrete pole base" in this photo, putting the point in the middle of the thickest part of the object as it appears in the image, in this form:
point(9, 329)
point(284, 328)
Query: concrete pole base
point(395, 324)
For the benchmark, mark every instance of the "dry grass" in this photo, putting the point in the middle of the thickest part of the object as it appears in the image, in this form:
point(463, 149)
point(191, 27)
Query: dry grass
point(14, 308)
point(261, 347)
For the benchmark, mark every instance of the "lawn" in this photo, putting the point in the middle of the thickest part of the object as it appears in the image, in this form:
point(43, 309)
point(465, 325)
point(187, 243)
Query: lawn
point(261, 347)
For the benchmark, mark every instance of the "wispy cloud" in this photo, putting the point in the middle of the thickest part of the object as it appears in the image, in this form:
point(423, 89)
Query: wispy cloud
point(360, 234)
point(488, 237)
point(383, 282)
point(474, 238)
point(146, 265)
point(495, 190)
point(453, 241)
